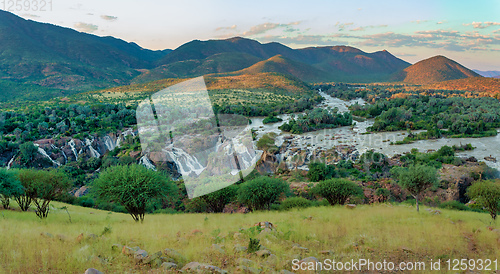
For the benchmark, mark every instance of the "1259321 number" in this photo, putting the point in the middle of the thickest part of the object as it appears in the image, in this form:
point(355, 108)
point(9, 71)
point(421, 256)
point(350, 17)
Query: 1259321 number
point(472, 264)
point(26, 5)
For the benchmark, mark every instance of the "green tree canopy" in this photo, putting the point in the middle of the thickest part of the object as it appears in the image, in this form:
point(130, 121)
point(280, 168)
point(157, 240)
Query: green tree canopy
point(415, 179)
point(487, 194)
point(133, 186)
point(9, 186)
point(337, 191)
point(261, 192)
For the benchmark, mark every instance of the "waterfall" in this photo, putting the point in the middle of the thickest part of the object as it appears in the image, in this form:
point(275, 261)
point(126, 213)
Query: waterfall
point(93, 152)
point(71, 143)
point(109, 143)
point(184, 161)
point(11, 161)
point(146, 162)
point(44, 153)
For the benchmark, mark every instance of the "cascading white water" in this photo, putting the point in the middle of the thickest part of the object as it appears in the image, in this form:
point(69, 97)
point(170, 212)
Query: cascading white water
point(146, 162)
point(11, 161)
point(44, 153)
point(184, 161)
point(72, 144)
point(93, 152)
point(109, 143)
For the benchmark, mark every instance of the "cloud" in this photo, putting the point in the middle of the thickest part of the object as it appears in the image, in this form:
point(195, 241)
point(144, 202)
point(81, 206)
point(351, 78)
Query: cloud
point(301, 39)
point(262, 28)
point(343, 25)
point(358, 29)
point(419, 21)
point(84, 27)
point(109, 17)
point(482, 25)
point(226, 28)
point(441, 22)
point(405, 54)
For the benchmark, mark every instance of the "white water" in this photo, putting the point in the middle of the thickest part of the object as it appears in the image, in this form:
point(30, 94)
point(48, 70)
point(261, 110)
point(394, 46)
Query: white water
point(109, 143)
point(71, 143)
point(185, 162)
point(44, 153)
point(11, 161)
point(379, 142)
point(93, 152)
point(146, 162)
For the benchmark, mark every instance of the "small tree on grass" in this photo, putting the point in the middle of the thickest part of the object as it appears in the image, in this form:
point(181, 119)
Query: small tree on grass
point(9, 186)
point(41, 187)
point(261, 192)
point(133, 186)
point(415, 179)
point(337, 191)
point(217, 200)
point(486, 194)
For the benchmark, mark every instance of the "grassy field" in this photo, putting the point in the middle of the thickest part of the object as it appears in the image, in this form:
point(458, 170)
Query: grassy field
point(394, 233)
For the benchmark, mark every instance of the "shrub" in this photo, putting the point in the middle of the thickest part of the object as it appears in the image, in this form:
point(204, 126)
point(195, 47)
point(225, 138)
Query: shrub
point(487, 194)
point(217, 200)
point(415, 179)
point(295, 202)
point(9, 186)
point(261, 192)
point(134, 186)
point(337, 191)
point(384, 193)
point(456, 205)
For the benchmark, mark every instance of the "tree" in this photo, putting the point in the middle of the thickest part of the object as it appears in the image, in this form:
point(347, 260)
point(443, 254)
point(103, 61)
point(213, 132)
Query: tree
point(217, 200)
point(9, 186)
point(337, 191)
point(415, 179)
point(28, 152)
point(486, 194)
point(261, 192)
point(41, 187)
point(133, 186)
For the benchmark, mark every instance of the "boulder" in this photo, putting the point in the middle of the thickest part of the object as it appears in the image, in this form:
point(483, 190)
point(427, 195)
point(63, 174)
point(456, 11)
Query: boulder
point(140, 255)
point(174, 255)
point(263, 253)
point(92, 271)
point(350, 206)
point(247, 269)
point(201, 268)
point(168, 266)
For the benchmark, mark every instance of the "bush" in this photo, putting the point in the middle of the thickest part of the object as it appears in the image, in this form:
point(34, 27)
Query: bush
point(85, 201)
point(217, 200)
point(487, 194)
point(320, 171)
point(295, 202)
point(456, 205)
point(337, 191)
point(261, 192)
point(134, 186)
point(384, 193)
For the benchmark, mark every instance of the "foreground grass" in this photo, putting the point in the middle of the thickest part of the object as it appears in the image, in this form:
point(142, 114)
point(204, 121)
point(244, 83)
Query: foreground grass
point(393, 233)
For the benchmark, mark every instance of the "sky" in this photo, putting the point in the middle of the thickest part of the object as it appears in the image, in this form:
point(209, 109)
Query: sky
point(465, 31)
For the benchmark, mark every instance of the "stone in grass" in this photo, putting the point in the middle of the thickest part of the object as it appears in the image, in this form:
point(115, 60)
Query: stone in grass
point(47, 235)
point(130, 250)
point(92, 271)
point(243, 261)
point(300, 249)
point(240, 248)
point(326, 252)
point(174, 255)
point(140, 255)
point(201, 268)
point(263, 253)
point(218, 248)
point(152, 257)
point(168, 266)
point(350, 206)
point(284, 271)
point(116, 247)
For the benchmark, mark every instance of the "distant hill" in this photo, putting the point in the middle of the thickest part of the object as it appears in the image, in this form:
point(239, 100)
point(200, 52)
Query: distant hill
point(489, 73)
point(62, 58)
point(432, 70)
point(338, 63)
point(485, 85)
point(280, 64)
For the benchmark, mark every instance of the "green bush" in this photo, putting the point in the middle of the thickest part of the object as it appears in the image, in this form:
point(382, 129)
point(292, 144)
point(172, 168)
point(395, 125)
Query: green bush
point(9, 186)
point(295, 202)
point(486, 194)
point(337, 191)
point(260, 193)
point(217, 200)
point(456, 205)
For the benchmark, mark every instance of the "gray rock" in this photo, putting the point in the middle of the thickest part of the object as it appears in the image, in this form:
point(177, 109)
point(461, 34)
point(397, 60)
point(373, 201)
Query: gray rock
point(218, 248)
point(240, 248)
point(140, 255)
point(92, 271)
point(309, 260)
point(130, 250)
point(152, 257)
point(284, 271)
point(176, 256)
point(168, 266)
point(350, 206)
point(247, 262)
point(300, 249)
point(202, 268)
point(263, 253)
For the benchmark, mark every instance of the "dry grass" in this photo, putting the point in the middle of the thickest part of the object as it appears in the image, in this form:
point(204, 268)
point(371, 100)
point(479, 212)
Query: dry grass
point(394, 233)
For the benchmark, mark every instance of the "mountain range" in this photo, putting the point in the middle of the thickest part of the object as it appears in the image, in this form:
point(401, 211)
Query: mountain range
point(48, 60)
